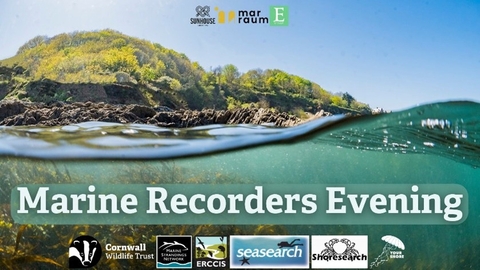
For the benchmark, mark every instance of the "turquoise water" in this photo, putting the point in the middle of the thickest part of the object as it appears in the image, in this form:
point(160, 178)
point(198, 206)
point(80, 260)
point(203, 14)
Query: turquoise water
point(430, 144)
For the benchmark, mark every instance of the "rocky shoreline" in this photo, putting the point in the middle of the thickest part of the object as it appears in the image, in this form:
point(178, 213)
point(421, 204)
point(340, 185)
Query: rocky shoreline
point(17, 113)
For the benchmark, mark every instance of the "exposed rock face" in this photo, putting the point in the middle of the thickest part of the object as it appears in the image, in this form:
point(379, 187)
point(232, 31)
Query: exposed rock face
point(58, 113)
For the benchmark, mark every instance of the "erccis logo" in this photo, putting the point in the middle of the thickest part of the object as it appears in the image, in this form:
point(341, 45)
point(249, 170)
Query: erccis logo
point(272, 252)
point(211, 252)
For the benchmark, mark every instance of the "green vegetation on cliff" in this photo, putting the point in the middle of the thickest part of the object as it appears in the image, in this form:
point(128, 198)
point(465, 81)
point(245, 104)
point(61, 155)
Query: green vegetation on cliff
point(161, 76)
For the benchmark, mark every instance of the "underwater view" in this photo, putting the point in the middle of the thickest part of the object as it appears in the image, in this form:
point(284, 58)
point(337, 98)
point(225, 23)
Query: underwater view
point(427, 145)
point(239, 134)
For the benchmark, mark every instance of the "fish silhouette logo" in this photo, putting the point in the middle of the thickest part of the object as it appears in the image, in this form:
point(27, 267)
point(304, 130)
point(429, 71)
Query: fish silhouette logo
point(172, 244)
point(84, 252)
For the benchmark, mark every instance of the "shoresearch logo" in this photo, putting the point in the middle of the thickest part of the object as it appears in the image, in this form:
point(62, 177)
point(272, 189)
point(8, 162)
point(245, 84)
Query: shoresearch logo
point(272, 252)
point(339, 251)
point(84, 252)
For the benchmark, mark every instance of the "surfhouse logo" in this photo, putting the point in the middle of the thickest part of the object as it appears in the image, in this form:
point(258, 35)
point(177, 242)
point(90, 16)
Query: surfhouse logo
point(211, 252)
point(202, 16)
point(339, 251)
point(269, 252)
point(84, 252)
point(392, 250)
point(174, 251)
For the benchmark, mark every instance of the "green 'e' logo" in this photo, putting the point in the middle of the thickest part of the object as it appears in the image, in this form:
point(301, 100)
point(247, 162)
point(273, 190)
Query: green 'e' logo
point(278, 15)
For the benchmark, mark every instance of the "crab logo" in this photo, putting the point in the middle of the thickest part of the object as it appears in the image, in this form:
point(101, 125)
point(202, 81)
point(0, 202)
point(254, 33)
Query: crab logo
point(84, 252)
point(339, 251)
point(339, 247)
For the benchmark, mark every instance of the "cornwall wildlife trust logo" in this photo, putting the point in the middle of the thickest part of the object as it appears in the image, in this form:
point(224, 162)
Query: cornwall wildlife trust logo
point(84, 252)
point(270, 252)
point(339, 251)
point(392, 250)
point(202, 17)
point(174, 251)
point(211, 252)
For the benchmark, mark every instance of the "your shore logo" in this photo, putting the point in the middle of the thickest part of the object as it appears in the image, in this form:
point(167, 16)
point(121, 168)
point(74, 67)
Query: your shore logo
point(174, 251)
point(269, 252)
point(211, 252)
point(84, 252)
point(340, 251)
point(392, 250)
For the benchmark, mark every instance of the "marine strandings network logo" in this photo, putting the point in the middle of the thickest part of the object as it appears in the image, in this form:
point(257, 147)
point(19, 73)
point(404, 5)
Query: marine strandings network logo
point(270, 252)
point(174, 251)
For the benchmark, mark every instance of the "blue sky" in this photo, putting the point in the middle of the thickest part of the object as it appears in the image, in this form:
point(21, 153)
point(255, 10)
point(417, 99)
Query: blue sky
point(390, 54)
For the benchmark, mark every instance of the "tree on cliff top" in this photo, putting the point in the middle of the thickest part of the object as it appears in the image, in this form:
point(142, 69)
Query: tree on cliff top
point(108, 56)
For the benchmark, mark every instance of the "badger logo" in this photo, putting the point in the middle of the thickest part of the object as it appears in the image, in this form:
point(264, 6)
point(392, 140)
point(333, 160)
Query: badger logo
point(84, 252)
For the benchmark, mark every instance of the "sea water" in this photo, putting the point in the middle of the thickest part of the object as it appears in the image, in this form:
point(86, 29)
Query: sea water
point(429, 144)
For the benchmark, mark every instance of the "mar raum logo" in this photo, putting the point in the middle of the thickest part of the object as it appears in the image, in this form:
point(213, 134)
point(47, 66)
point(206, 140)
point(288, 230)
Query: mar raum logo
point(211, 252)
point(84, 252)
point(270, 252)
point(174, 251)
point(392, 250)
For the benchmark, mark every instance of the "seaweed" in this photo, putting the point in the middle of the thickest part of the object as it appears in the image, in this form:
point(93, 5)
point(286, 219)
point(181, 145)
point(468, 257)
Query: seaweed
point(46, 246)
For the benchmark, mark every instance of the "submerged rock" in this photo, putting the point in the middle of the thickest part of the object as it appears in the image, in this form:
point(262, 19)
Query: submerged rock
point(16, 113)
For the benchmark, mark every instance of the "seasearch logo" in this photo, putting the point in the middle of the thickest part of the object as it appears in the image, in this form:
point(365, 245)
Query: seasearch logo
point(391, 250)
point(272, 252)
point(84, 252)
